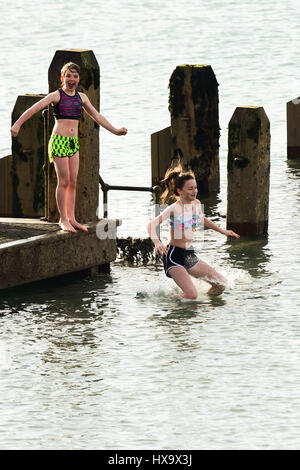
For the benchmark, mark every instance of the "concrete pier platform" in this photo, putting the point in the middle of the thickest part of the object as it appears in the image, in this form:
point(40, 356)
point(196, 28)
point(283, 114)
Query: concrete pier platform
point(32, 250)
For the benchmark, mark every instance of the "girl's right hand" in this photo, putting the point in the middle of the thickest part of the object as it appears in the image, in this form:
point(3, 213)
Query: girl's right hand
point(160, 248)
point(14, 130)
point(122, 131)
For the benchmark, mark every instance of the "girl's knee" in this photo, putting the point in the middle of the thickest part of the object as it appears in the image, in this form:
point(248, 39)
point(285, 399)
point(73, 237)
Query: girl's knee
point(72, 183)
point(63, 183)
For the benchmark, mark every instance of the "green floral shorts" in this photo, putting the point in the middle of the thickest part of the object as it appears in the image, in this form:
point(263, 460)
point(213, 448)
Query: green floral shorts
point(60, 146)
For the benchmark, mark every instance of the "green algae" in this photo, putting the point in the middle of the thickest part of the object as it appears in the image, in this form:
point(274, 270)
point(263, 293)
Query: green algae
point(136, 250)
point(176, 94)
point(234, 135)
point(254, 131)
point(17, 210)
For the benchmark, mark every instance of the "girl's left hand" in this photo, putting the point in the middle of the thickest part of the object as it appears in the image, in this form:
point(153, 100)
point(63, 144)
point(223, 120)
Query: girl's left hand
point(231, 233)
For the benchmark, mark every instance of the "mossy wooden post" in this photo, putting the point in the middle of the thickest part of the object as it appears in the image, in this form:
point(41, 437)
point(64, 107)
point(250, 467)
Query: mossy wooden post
point(195, 130)
point(27, 162)
point(160, 154)
point(87, 194)
point(248, 171)
point(293, 129)
point(5, 187)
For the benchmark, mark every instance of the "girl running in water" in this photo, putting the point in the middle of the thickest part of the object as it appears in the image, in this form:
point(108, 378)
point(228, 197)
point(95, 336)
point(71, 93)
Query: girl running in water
point(63, 145)
point(185, 215)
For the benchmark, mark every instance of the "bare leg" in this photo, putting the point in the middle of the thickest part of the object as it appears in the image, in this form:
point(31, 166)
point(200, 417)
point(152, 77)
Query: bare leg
point(183, 280)
point(63, 177)
point(203, 271)
point(71, 192)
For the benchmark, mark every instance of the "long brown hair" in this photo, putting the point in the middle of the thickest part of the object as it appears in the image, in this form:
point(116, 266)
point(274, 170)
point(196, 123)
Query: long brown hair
point(174, 179)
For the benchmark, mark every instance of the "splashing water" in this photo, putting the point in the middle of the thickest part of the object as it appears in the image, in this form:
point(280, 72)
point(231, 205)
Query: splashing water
point(166, 288)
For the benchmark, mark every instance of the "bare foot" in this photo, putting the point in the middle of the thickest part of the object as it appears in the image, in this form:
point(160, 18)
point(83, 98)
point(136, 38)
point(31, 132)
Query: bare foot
point(216, 290)
point(66, 226)
point(78, 225)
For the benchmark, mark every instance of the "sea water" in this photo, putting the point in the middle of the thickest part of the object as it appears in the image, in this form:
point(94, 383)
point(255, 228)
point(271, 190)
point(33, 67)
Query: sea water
point(115, 361)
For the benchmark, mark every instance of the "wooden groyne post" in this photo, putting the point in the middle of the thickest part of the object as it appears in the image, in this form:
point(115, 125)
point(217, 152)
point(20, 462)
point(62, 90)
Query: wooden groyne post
point(161, 156)
point(195, 130)
point(6, 192)
point(87, 194)
point(27, 161)
point(22, 177)
point(248, 171)
point(293, 129)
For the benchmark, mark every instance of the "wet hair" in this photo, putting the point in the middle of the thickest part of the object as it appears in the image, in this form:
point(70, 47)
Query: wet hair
point(69, 66)
point(175, 178)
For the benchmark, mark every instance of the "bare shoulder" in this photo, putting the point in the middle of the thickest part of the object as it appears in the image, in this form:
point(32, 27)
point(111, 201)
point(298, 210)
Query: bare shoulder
point(174, 207)
point(87, 104)
point(51, 98)
point(166, 208)
point(54, 97)
point(172, 210)
point(197, 205)
point(166, 211)
point(83, 97)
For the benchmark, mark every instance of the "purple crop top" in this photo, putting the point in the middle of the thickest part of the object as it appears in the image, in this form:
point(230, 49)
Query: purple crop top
point(68, 107)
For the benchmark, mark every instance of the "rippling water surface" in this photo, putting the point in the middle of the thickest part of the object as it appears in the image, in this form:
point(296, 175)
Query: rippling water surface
point(114, 362)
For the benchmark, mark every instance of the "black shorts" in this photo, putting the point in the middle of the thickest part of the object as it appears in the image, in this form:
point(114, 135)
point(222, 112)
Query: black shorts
point(179, 257)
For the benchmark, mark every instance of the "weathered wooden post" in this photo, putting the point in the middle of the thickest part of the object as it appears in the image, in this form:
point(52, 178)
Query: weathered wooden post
point(195, 130)
point(27, 162)
point(248, 171)
point(293, 129)
point(160, 154)
point(87, 195)
point(5, 186)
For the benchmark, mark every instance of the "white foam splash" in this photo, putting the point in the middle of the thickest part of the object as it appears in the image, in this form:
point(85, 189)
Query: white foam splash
point(235, 277)
point(166, 288)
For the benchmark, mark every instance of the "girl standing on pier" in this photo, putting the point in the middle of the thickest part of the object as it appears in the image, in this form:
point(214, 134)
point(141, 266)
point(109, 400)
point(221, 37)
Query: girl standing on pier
point(185, 215)
point(63, 145)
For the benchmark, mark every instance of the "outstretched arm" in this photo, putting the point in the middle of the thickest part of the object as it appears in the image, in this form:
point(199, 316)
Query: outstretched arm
point(209, 224)
point(44, 102)
point(98, 118)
